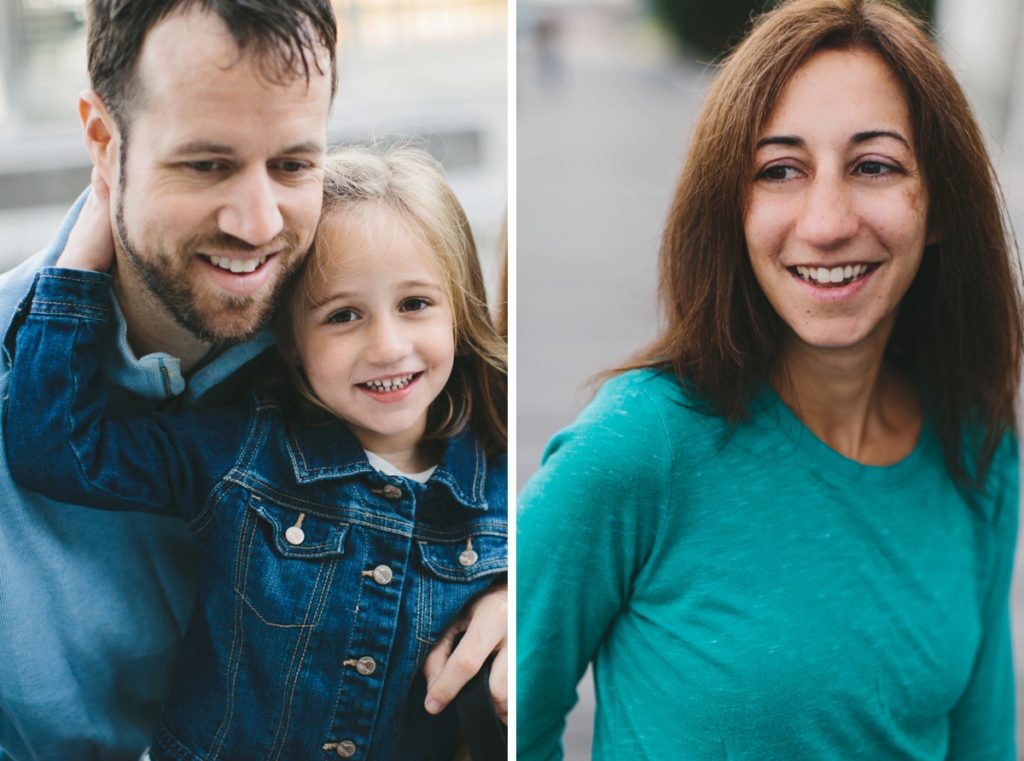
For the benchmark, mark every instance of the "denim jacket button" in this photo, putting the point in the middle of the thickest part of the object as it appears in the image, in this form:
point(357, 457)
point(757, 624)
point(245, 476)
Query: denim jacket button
point(383, 575)
point(294, 535)
point(468, 558)
point(392, 492)
point(345, 749)
point(366, 665)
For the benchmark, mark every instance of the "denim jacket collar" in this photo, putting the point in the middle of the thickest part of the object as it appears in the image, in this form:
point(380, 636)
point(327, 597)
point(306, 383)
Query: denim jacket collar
point(332, 451)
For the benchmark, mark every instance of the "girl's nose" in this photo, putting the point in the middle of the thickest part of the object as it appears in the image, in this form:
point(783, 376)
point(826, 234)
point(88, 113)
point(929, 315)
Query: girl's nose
point(388, 342)
point(828, 217)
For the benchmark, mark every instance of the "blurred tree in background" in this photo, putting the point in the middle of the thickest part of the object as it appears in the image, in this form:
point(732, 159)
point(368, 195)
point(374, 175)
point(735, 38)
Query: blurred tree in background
point(711, 28)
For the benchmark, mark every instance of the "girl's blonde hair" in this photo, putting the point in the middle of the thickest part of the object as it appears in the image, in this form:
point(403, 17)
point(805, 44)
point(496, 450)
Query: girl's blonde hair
point(410, 184)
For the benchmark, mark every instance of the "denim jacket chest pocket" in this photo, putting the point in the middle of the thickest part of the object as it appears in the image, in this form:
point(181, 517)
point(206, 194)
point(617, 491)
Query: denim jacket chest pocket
point(453, 571)
point(286, 562)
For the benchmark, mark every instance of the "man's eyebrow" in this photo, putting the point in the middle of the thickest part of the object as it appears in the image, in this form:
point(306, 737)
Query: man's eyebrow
point(204, 146)
point(310, 146)
point(858, 137)
point(223, 149)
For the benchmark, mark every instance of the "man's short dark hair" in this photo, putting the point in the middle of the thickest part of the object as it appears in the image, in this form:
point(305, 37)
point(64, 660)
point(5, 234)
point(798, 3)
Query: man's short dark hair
point(286, 37)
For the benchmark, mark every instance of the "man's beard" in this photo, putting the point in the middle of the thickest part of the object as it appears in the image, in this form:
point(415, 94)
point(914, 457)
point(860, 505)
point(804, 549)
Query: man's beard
point(186, 306)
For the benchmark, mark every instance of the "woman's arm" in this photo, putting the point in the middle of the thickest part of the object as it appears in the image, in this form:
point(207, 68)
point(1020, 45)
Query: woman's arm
point(982, 724)
point(587, 521)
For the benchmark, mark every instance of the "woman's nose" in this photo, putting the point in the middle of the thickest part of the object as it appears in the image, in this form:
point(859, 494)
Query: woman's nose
point(828, 217)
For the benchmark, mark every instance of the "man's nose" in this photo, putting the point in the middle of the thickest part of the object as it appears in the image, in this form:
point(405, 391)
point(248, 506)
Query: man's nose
point(828, 217)
point(252, 212)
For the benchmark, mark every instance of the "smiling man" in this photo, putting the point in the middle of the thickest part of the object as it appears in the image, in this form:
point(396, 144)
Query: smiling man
point(207, 119)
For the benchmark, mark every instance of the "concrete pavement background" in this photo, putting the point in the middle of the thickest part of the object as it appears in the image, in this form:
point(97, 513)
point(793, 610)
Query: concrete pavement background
point(604, 114)
point(603, 123)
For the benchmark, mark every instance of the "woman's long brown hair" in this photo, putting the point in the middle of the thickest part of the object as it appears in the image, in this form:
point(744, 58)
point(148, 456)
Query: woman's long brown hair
point(959, 326)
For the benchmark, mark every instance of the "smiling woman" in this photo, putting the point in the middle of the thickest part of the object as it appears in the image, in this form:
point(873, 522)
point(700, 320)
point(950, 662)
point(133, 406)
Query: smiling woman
point(785, 530)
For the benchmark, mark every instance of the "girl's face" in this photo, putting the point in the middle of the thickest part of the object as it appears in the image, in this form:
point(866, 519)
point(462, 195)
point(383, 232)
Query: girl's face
point(836, 222)
point(376, 336)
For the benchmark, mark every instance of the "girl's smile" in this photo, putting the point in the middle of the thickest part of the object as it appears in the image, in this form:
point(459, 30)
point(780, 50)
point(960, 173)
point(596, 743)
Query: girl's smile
point(391, 389)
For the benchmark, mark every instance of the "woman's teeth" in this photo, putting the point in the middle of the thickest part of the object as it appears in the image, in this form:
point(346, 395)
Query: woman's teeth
point(390, 384)
point(237, 265)
point(833, 276)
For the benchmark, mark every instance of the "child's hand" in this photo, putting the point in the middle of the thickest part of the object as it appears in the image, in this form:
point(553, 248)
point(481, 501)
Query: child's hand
point(91, 243)
point(486, 625)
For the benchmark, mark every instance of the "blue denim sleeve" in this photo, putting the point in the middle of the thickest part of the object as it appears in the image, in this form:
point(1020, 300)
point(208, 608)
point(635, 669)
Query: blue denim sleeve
point(62, 439)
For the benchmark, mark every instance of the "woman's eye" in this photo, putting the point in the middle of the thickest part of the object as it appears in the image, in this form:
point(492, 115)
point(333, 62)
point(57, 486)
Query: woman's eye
point(343, 315)
point(414, 305)
point(874, 168)
point(777, 173)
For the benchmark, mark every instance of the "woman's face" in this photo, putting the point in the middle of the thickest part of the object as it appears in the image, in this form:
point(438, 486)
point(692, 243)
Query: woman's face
point(836, 221)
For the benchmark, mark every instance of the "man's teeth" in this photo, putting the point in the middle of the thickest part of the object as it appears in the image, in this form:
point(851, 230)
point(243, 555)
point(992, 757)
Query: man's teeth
point(237, 265)
point(835, 275)
point(390, 384)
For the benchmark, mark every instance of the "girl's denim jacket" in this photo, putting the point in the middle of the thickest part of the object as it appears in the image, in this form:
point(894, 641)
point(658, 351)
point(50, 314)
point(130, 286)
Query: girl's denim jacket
point(322, 582)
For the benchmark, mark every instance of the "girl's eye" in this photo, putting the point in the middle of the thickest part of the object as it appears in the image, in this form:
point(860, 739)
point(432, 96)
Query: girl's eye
point(342, 315)
point(414, 305)
point(778, 173)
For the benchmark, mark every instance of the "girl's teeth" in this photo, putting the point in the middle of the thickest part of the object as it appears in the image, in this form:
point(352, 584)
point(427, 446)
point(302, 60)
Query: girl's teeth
point(389, 384)
point(237, 265)
point(838, 275)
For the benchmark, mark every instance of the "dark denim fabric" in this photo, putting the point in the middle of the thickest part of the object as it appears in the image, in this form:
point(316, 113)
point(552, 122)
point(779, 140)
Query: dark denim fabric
point(322, 582)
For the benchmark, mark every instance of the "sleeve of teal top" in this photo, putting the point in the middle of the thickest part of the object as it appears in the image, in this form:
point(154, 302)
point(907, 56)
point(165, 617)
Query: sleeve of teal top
point(982, 726)
point(587, 520)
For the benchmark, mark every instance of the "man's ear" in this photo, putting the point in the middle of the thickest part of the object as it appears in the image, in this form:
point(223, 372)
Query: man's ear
point(102, 136)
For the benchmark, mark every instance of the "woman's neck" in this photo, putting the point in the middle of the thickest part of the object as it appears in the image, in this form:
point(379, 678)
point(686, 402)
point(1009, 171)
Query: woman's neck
point(851, 399)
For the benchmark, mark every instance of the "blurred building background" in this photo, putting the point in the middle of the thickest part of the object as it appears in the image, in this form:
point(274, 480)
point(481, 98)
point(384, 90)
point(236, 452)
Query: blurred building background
point(432, 69)
point(607, 95)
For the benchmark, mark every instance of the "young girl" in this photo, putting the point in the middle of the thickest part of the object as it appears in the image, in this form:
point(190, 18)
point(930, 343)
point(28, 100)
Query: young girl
point(344, 517)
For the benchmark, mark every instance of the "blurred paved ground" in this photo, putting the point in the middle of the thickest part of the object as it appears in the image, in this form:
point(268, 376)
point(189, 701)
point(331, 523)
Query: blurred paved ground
point(598, 151)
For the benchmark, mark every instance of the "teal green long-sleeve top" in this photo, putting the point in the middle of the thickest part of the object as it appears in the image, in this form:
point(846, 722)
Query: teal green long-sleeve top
point(760, 596)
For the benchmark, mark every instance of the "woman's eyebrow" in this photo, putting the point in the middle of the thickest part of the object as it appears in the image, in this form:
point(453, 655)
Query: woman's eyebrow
point(792, 140)
point(863, 137)
point(858, 137)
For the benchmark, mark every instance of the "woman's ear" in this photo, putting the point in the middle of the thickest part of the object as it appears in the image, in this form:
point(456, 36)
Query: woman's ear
point(102, 136)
